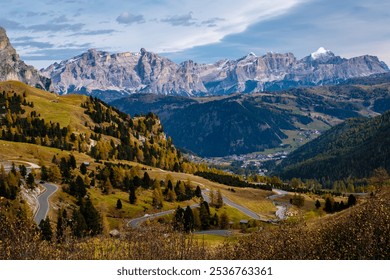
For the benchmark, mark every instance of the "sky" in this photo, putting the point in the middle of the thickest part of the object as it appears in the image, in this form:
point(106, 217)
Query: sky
point(205, 31)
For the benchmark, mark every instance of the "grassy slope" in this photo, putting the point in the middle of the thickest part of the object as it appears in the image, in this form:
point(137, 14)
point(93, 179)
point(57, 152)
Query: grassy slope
point(65, 110)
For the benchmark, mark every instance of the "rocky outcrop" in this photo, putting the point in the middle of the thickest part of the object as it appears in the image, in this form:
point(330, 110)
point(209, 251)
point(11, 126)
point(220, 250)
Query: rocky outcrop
point(13, 68)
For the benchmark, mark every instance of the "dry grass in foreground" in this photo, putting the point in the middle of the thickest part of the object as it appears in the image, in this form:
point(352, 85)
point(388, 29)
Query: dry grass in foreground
point(360, 232)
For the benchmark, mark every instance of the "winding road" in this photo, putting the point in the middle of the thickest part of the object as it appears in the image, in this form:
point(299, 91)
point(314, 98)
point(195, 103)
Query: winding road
point(135, 223)
point(282, 208)
point(43, 202)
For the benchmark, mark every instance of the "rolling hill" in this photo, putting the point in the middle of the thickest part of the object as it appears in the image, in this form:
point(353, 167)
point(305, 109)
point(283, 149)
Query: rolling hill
point(83, 124)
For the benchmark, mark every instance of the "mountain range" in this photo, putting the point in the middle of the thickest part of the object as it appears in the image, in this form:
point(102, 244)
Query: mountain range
point(110, 76)
point(227, 124)
point(245, 123)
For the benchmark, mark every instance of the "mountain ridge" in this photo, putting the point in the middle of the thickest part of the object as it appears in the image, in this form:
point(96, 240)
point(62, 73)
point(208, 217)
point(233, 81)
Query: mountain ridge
point(110, 76)
point(300, 113)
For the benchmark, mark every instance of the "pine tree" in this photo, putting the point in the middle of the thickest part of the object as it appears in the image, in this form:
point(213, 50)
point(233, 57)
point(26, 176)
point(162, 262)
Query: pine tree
point(44, 173)
point(178, 219)
point(146, 181)
point(83, 168)
point(81, 191)
point(204, 215)
point(46, 231)
point(188, 220)
point(23, 170)
point(198, 192)
point(30, 180)
point(92, 217)
point(79, 226)
point(72, 162)
point(132, 196)
point(118, 204)
point(61, 224)
point(351, 200)
point(329, 203)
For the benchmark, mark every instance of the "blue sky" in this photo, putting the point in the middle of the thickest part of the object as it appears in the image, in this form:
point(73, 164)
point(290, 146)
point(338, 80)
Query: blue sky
point(44, 31)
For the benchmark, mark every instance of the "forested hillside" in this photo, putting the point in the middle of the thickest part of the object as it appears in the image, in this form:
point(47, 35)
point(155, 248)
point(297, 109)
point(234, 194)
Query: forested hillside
point(239, 124)
point(84, 124)
point(352, 149)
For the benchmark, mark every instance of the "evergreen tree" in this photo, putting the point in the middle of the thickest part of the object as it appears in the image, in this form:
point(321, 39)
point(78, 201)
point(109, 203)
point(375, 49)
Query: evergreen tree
point(81, 191)
point(61, 224)
point(132, 196)
point(178, 219)
point(351, 200)
point(72, 162)
point(146, 181)
point(188, 220)
point(92, 217)
point(214, 220)
point(46, 231)
point(30, 180)
point(44, 173)
point(13, 168)
point(198, 192)
point(204, 215)
point(83, 169)
point(329, 203)
point(118, 204)
point(79, 226)
point(23, 170)
point(318, 204)
point(64, 168)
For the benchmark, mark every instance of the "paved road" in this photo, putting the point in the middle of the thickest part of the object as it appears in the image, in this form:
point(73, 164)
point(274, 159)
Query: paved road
point(43, 201)
point(242, 209)
point(220, 232)
point(135, 223)
point(282, 207)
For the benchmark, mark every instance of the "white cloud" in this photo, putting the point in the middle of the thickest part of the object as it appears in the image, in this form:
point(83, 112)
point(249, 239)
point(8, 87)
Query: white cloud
point(167, 25)
point(128, 18)
point(195, 23)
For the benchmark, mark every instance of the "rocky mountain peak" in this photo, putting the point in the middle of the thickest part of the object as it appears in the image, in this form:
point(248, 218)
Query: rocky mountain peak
point(13, 68)
point(143, 51)
point(4, 41)
point(147, 72)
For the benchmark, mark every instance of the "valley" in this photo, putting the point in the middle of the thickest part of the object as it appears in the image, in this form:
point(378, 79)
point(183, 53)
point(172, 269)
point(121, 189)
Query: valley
point(206, 168)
